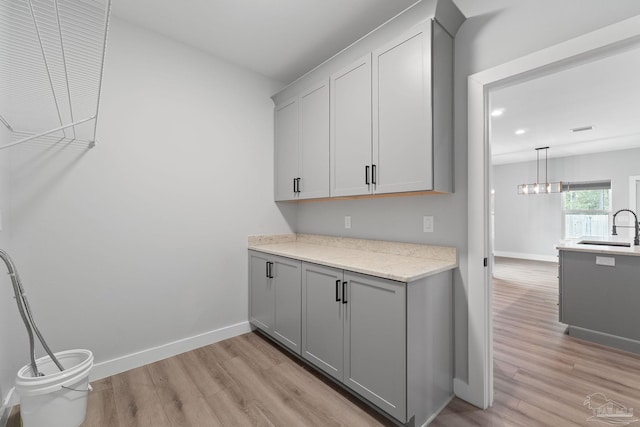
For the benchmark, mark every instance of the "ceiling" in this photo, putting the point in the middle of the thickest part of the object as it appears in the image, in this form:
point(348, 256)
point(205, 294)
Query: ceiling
point(284, 39)
point(280, 39)
point(604, 94)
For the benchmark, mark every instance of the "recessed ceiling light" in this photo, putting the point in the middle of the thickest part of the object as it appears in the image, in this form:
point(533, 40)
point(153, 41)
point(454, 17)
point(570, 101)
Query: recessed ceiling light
point(497, 112)
point(581, 129)
point(520, 132)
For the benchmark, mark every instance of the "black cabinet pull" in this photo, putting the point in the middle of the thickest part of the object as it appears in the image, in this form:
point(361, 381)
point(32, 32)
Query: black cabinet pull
point(344, 292)
point(366, 174)
point(294, 186)
point(337, 290)
point(373, 174)
point(269, 270)
point(298, 184)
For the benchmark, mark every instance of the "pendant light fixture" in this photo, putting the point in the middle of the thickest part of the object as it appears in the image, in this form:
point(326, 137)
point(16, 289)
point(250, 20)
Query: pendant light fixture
point(538, 187)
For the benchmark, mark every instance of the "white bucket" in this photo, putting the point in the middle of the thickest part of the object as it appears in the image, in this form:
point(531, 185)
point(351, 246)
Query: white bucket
point(59, 398)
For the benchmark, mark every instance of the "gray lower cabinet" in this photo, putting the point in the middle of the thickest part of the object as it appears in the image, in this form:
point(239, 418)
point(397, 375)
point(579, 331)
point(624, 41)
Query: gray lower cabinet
point(375, 346)
point(323, 318)
point(389, 342)
point(354, 330)
point(599, 302)
point(274, 297)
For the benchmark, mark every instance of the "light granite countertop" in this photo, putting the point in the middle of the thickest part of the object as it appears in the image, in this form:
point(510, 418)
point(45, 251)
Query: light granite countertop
point(404, 262)
point(573, 245)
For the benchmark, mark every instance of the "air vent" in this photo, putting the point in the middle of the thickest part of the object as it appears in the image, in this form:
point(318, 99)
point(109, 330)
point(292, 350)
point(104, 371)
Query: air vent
point(581, 129)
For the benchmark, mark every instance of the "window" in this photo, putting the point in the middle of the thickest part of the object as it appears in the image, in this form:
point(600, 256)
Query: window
point(586, 209)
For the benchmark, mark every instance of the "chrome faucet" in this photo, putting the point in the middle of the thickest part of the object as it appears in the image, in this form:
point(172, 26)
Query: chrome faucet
point(636, 240)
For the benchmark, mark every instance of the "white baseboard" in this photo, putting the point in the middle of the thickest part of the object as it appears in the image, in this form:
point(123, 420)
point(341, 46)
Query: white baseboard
point(144, 357)
point(9, 402)
point(532, 257)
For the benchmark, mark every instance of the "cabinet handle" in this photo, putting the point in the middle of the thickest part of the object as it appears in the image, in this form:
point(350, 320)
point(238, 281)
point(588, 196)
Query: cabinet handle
point(337, 290)
point(373, 174)
point(294, 186)
point(366, 174)
point(269, 270)
point(267, 266)
point(344, 292)
point(298, 185)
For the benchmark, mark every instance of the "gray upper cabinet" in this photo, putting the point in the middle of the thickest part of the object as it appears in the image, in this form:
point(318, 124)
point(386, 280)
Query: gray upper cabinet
point(382, 111)
point(286, 149)
point(274, 297)
point(375, 341)
point(351, 129)
point(314, 142)
point(390, 107)
point(402, 128)
point(302, 145)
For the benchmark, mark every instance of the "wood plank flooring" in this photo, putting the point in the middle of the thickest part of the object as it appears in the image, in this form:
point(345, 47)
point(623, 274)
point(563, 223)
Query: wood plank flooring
point(542, 377)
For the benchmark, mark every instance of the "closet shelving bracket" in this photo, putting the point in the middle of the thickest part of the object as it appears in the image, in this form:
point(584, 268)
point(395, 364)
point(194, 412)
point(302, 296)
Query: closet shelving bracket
point(52, 54)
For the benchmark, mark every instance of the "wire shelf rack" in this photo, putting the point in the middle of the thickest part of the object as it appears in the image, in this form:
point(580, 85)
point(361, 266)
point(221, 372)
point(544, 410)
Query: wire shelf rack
point(51, 67)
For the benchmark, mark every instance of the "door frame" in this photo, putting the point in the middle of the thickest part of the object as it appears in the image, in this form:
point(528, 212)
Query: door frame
point(634, 184)
point(620, 36)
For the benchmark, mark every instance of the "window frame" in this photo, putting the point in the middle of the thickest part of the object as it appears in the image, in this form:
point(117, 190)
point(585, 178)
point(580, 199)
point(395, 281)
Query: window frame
point(585, 186)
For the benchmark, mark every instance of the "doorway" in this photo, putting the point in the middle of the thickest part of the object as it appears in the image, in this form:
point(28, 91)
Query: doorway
point(615, 38)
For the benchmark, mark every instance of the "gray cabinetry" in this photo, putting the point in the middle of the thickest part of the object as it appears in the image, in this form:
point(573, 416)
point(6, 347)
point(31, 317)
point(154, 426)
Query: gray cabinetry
point(375, 341)
point(354, 330)
point(274, 297)
point(351, 165)
point(599, 294)
point(389, 342)
point(323, 318)
point(302, 145)
point(390, 107)
point(402, 143)
point(286, 149)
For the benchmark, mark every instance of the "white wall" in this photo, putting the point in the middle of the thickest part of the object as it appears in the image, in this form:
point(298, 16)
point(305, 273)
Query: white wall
point(142, 240)
point(14, 347)
point(483, 41)
point(529, 226)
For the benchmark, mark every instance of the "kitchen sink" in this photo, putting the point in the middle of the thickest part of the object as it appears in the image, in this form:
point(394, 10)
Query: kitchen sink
point(604, 243)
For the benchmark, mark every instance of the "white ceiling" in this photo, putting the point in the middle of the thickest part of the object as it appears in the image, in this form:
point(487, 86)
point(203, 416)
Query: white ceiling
point(280, 39)
point(283, 39)
point(604, 94)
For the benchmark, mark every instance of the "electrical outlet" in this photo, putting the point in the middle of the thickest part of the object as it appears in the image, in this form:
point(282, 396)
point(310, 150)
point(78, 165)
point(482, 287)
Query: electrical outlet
point(347, 221)
point(427, 224)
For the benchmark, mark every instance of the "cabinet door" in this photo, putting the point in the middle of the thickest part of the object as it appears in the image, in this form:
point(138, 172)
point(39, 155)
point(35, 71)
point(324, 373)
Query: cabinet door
point(286, 276)
point(314, 142)
point(261, 293)
point(402, 136)
point(375, 341)
point(286, 149)
point(351, 129)
point(322, 318)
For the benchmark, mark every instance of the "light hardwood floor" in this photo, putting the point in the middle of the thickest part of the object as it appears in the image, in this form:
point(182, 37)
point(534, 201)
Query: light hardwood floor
point(542, 377)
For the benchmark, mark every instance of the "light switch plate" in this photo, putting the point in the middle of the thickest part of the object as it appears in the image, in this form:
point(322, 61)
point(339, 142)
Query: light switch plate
point(347, 221)
point(427, 224)
point(606, 260)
